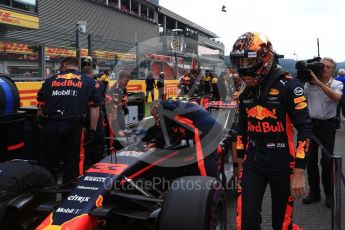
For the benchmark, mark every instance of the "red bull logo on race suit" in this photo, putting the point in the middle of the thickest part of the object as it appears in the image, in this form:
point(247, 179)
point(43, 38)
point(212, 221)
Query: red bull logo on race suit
point(266, 127)
point(260, 113)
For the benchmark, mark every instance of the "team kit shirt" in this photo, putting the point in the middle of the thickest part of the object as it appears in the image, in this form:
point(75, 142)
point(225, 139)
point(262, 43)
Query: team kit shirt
point(68, 95)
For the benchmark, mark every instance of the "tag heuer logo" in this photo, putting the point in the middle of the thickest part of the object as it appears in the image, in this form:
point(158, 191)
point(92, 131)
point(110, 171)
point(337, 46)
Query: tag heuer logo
point(298, 91)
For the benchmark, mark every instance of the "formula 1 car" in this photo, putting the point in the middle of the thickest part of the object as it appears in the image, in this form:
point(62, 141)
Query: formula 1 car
point(138, 187)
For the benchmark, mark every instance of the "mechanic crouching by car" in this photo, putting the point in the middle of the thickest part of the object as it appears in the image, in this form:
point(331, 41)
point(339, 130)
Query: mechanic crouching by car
point(188, 124)
point(269, 107)
point(63, 102)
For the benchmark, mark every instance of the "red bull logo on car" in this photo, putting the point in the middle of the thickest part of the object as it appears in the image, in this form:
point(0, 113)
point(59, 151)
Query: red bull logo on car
point(261, 113)
point(81, 222)
point(99, 201)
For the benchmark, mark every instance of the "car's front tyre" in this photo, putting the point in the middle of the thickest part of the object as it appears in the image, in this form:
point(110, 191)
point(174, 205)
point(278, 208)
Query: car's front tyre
point(17, 204)
point(194, 202)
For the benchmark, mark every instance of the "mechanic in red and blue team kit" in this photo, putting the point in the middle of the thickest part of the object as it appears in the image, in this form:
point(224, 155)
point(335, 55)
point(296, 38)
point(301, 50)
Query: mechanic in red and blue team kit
point(116, 102)
point(63, 102)
point(94, 150)
point(188, 123)
point(271, 105)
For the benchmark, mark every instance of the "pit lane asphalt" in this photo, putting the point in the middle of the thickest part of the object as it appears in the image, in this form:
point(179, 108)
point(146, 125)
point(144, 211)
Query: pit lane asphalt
point(315, 216)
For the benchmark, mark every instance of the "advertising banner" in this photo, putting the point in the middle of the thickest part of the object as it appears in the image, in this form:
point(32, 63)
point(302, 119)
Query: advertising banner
point(17, 19)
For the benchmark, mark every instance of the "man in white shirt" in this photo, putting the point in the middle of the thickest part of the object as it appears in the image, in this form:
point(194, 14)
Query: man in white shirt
point(323, 94)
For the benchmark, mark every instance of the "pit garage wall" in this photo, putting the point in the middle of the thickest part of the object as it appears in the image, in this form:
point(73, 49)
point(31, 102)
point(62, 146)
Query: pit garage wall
point(28, 90)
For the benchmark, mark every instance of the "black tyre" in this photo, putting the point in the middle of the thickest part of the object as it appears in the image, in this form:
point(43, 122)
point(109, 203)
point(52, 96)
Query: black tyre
point(194, 202)
point(17, 178)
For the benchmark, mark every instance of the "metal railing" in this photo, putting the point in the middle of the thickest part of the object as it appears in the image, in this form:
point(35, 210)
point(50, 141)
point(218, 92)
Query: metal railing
point(337, 176)
point(336, 191)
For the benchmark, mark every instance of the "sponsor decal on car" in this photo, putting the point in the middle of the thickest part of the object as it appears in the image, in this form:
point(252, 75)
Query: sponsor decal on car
point(94, 179)
point(87, 188)
point(80, 199)
point(99, 201)
point(68, 210)
point(108, 168)
point(84, 221)
point(130, 154)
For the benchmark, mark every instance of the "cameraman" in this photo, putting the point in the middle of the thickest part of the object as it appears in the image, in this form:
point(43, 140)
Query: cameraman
point(323, 94)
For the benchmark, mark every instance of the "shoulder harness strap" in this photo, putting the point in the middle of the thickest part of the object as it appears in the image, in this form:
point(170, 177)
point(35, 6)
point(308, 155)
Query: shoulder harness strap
point(277, 74)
